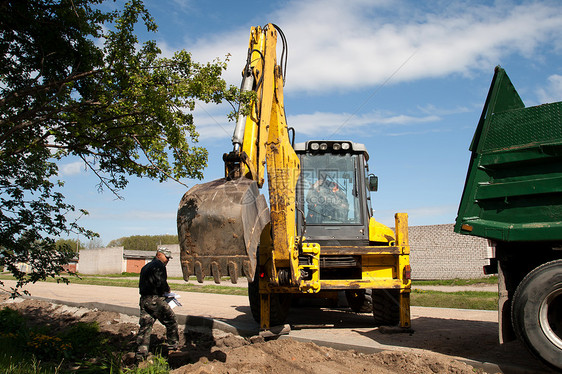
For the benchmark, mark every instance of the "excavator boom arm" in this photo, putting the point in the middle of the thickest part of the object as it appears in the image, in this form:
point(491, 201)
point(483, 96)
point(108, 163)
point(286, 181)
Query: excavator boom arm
point(220, 223)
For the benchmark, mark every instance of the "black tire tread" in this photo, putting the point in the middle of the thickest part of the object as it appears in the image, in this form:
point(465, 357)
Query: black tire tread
point(280, 304)
point(360, 301)
point(522, 293)
point(386, 307)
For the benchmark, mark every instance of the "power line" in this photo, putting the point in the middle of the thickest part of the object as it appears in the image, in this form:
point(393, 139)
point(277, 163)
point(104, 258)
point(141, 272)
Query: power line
point(373, 94)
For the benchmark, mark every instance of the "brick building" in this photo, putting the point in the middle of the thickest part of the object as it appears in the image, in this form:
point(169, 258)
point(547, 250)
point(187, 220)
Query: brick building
point(437, 252)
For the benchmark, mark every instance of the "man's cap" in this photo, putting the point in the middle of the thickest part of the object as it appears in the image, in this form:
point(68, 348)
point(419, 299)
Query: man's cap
point(166, 252)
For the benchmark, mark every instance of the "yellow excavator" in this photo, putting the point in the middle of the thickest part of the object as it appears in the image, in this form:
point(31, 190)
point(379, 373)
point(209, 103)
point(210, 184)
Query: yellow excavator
point(317, 237)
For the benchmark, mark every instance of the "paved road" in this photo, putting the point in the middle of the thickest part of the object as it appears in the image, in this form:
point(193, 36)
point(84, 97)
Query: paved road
point(469, 335)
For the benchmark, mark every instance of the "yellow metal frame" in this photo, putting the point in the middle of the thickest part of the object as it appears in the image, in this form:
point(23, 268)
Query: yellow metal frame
point(393, 263)
point(312, 285)
point(266, 138)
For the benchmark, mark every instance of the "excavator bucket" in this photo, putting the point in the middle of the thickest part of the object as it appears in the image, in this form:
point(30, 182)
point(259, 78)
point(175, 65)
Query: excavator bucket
point(219, 227)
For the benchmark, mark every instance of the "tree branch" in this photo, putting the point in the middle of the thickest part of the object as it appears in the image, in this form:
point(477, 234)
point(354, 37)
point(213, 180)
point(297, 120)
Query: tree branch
point(156, 167)
point(101, 178)
point(49, 115)
point(46, 87)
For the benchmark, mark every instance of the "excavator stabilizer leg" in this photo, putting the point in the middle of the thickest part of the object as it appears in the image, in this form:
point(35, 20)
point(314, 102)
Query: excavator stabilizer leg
point(219, 226)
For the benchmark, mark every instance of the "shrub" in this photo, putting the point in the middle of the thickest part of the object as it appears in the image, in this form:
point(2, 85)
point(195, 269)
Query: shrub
point(85, 340)
point(46, 347)
point(11, 321)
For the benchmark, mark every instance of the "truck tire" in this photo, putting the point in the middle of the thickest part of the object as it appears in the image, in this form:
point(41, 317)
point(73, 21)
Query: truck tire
point(386, 307)
point(360, 300)
point(537, 312)
point(279, 308)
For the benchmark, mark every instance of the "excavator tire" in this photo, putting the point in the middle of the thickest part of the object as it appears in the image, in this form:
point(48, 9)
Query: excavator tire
point(279, 308)
point(360, 301)
point(386, 307)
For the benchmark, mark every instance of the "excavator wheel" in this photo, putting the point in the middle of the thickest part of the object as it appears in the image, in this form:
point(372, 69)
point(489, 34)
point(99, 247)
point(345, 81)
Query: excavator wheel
point(279, 308)
point(360, 301)
point(386, 307)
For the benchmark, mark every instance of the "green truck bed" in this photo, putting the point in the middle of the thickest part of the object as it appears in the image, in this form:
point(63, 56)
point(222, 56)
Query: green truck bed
point(513, 188)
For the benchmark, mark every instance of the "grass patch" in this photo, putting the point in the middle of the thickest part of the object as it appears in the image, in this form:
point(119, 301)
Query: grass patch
point(136, 276)
point(114, 275)
point(134, 283)
point(16, 363)
point(42, 349)
point(459, 300)
point(456, 282)
point(117, 282)
point(78, 347)
point(185, 287)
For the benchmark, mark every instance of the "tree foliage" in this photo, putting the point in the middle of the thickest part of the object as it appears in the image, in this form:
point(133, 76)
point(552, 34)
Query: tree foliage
point(74, 81)
point(143, 242)
point(73, 245)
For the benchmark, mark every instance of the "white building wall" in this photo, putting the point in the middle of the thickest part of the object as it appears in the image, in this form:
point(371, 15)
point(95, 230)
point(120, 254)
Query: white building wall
point(173, 268)
point(101, 260)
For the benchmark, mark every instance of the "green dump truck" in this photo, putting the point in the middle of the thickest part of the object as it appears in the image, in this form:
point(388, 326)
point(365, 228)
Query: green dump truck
point(513, 197)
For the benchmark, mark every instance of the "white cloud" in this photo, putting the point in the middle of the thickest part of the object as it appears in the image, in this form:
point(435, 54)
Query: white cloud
point(431, 109)
point(420, 132)
point(72, 168)
point(233, 43)
point(331, 124)
point(212, 121)
point(141, 215)
point(185, 6)
point(553, 90)
point(346, 44)
point(422, 214)
point(343, 45)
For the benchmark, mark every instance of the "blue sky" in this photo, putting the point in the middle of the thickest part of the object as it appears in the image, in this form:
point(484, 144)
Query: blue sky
point(406, 78)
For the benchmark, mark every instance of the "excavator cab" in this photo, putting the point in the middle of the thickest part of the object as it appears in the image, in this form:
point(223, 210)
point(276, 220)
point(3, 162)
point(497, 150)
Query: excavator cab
point(334, 205)
point(332, 192)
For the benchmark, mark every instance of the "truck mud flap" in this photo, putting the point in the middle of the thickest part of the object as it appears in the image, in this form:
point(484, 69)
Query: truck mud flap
point(219, 227)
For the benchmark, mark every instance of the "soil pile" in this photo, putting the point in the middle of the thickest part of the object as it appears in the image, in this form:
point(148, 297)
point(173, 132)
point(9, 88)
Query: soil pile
point(219, 352)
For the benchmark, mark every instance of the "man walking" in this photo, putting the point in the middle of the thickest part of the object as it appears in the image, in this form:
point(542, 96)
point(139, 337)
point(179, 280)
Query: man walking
point(153, 284)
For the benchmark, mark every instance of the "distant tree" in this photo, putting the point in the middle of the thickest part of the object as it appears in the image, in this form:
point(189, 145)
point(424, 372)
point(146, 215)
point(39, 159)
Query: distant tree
point(143, 242)
point(72, 245)
point(74, 81)
point(94, 243)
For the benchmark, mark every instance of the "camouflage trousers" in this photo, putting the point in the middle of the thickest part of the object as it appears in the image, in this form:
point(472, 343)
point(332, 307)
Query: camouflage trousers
point(154, 308)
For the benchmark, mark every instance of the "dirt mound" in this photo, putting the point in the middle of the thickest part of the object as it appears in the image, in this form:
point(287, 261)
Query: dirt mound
point(219, 352)
point(288, 356)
